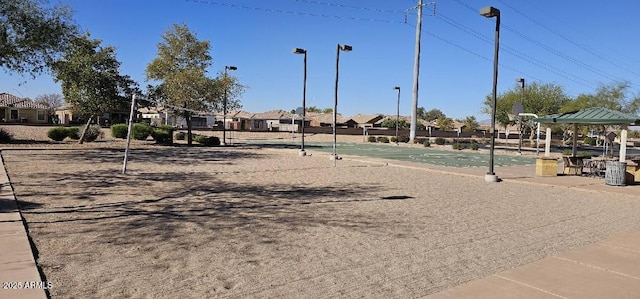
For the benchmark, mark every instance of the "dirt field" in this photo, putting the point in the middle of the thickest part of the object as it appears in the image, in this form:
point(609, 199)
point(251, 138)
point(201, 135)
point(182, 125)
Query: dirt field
point(265, 223)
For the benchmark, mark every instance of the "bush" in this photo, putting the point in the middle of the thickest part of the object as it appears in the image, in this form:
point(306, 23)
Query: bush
point(57, 133)
point(589, 141)
point(459, 146)
point(207, 140)
point(474, 146)
point(140, 131)
point(163, 135)
point(393, 139)
point(440, 141)
point(371, 139)
point(403, 138)
point(426, 143)
point(582, 154)
point(93, 132)
point(5, 137)
point(119, 131)
point(73, 133)
point(383, 139)
point(181, 136)
point(636, 144)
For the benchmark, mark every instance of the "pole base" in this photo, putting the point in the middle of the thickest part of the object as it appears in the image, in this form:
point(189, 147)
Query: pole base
point(302, 153)
point(491, 178)
point(336, 157)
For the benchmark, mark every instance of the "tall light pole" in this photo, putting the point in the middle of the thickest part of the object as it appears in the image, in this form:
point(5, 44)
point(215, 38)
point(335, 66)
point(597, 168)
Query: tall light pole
point(397, 112)
point(520, 80)
point(345, 48)
point(224, 104)
point(304, 96)
point(490, 12)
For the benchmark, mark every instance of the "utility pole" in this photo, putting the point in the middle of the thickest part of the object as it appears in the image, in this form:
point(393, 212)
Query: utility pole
point(416, 70)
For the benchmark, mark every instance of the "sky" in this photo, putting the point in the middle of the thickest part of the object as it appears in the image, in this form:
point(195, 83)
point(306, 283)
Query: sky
point(573, 43)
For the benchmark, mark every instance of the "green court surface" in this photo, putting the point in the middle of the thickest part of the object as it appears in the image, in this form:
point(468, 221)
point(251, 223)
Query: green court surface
point(448, 158)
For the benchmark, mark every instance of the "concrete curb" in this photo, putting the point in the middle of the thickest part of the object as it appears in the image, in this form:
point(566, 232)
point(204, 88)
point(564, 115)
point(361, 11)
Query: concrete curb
point(18, 270)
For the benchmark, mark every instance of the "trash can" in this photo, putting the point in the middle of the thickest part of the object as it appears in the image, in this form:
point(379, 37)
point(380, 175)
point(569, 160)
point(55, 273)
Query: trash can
point(615, 173)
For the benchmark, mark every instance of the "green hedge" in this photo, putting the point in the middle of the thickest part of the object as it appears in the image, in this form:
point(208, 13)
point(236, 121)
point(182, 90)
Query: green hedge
point(163, 135)
point(141, 131)
point(57, 133)
point(5, 137)
point(207, 140)
point(119, 131)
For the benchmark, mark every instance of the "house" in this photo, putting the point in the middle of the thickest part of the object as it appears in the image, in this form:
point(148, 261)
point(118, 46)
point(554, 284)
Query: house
point(22, 110)
point(235, 120)
point(160, 115)
point(274, 120)
point(367, 120)
point(326, 120)
point(65, 115)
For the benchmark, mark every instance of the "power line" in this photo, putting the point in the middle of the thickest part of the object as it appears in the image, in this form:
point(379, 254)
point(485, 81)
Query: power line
point(548, 48)
point(517, 53)
point(569, 40)
point(350, 6)
point(291, 12)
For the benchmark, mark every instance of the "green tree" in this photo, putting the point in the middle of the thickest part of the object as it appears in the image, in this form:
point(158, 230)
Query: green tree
point(327, 110)
point(181, 68)
point(314, 109)
point(614, 96)
point(91, 82)
point(32, 36)
point(433, 114)
point(444, 123)
point(391, 123)
point(541, 99)
point(470, 123)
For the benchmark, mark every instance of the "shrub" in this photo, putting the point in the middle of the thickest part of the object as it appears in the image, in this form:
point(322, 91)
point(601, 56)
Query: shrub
point(119, 131)
point(403, 138)
point(426, 143)
point(474, 146)
point(582, 154)
point(163, 135)
point(181, 136)
point(589, 141)
point(371, 139)
point(383, 139)
point(207, 140)
point(140, 131)
point(636, 144)
point(73, 133)
point(459, 146)
point(93, 132)
point(5, 137)
point(393, 139)
point(440, 141)
point(57, 133)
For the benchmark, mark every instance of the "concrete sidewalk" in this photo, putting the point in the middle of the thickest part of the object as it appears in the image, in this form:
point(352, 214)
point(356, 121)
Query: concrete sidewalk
point(608, 269)
point(18, 271)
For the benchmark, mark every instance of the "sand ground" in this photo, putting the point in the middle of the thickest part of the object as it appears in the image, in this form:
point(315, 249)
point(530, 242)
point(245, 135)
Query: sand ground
point(249, 222)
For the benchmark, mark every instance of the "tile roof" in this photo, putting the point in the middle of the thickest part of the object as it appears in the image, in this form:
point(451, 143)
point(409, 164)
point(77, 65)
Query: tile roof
point(273, 114)
point(365, 118)
point(327, 118)
point(8, 100)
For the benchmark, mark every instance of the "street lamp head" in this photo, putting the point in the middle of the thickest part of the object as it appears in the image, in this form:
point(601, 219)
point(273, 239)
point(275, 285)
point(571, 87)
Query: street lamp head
point(299, 51)
point(489, 12)
point(345, 48)
point(396, 87)
point(520, 80)
point(231, 68)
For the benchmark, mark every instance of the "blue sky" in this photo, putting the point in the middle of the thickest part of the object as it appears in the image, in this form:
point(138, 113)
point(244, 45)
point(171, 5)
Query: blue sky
point(576, 44)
